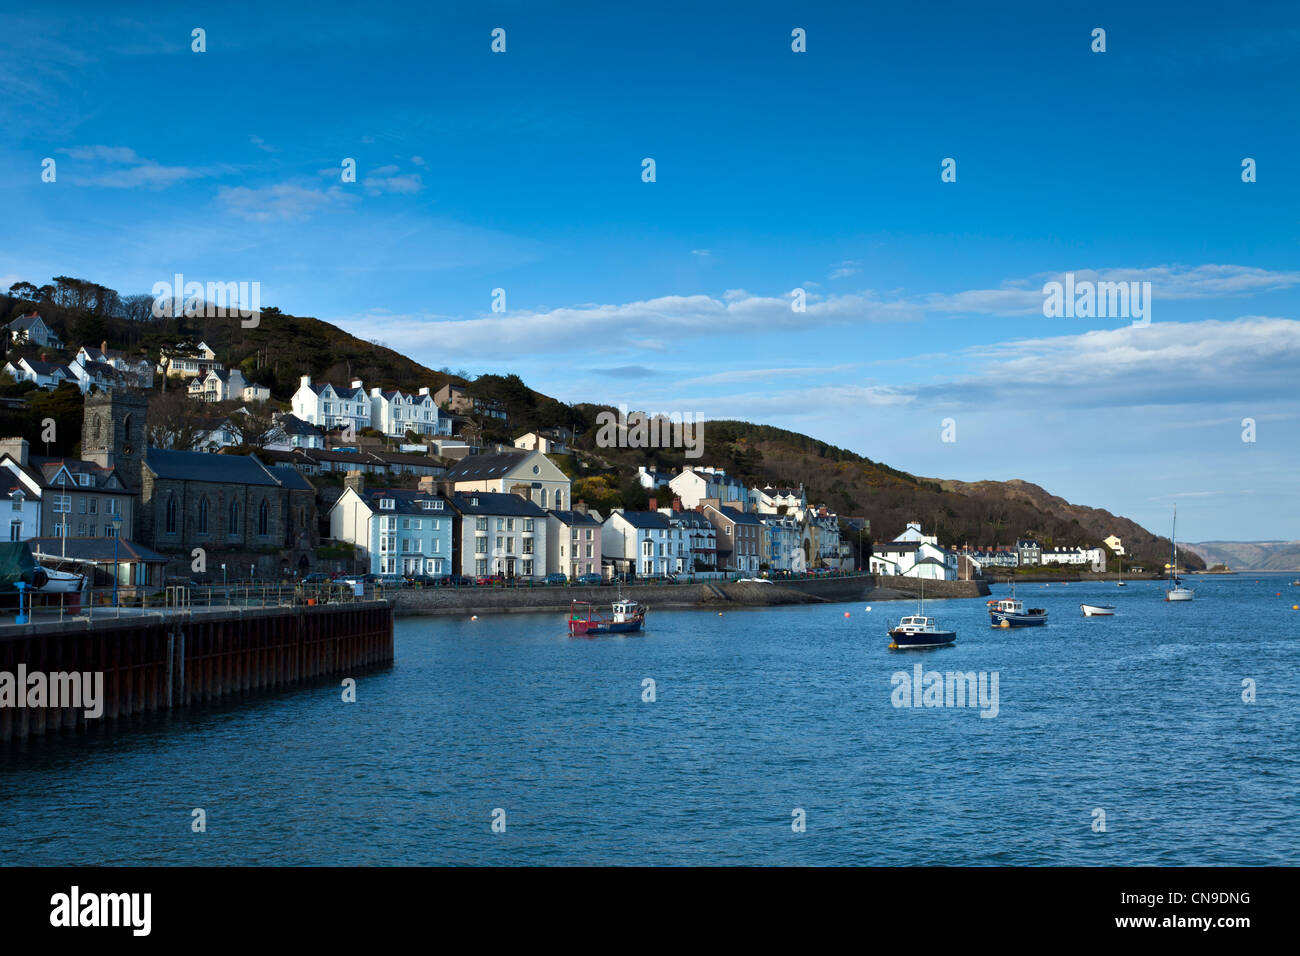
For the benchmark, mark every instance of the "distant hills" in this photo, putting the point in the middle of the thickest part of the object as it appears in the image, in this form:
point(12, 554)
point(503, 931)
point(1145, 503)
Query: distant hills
point(1250, 555)
point(283, 347)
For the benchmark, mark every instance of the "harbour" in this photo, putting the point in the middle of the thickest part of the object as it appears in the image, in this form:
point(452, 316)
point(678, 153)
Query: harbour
point(757, 712)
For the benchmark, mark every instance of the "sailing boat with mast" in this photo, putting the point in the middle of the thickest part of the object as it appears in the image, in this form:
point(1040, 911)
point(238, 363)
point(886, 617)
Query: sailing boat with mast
point(1176, 591)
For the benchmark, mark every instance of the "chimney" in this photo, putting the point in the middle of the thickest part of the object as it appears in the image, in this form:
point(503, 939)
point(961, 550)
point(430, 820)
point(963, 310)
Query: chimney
point(355, 480)
point(103, 348)
point(374, 392)
point(356, 383)
point(304, 381)
point(677, 504)
point(15, 448)
point(428, 484)
point(44, 357)
point(654, 504)
point(580, 506)
point(424, 391)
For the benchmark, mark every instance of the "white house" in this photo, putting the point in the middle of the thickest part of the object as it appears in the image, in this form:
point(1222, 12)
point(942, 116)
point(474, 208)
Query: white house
point(914, 554)
point(137, 371)
point(44, 374)
point(651, 478)
point(395, 413)
point(218, 385)
point(501, 534)
point(329, 407)
point(100, 375)
point(256, 393)
point(1073, 556)
point(399, 530)
point(23, 511)
point(295, 433)
point(31, 330)
point(693, 485)
point(770, 501)
point(645, 543)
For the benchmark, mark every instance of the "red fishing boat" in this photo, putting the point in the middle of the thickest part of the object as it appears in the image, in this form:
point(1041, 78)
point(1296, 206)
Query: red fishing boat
point(625, 617)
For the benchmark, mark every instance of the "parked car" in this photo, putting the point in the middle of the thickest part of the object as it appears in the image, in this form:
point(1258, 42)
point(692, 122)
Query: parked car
point(486, 580)
point(557, 577)
point(457, 581)
point(317, 577)
point(590, 578)
point(420, 580)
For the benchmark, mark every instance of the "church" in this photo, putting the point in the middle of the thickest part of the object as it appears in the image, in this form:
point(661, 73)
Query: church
point(241, 512)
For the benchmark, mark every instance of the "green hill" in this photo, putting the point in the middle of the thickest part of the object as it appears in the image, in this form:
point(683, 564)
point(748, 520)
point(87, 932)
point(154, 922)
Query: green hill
point(284, 347)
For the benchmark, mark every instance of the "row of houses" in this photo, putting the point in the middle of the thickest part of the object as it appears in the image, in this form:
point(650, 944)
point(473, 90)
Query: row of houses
point(100, 368)
point(916, 554)
point(447, 528)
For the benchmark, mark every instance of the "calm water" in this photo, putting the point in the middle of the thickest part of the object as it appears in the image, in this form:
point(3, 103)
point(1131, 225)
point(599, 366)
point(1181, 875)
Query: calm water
point(758, 712)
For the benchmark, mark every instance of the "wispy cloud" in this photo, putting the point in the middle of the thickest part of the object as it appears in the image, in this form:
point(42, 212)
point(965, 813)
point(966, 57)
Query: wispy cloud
point(120, 167)
point(283, 201)
point(1025, 296)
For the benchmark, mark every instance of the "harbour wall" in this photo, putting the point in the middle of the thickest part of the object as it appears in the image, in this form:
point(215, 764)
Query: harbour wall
point(168, 660)
point(703, 595)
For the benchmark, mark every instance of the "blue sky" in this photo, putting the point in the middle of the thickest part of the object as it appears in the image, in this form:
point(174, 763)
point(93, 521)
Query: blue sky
point(775, 171)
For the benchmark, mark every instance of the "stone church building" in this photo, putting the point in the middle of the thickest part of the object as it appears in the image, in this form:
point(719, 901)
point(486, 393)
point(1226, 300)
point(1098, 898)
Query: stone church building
point(241, 512)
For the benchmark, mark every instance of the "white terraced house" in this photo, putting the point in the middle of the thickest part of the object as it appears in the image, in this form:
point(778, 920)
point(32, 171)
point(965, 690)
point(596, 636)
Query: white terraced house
point(395, 413)
point(139, 370)
point(329, 407)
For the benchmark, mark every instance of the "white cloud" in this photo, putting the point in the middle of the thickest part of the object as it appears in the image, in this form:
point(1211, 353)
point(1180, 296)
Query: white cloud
point(1024, 296)
point(120, 167)
point(284, 201)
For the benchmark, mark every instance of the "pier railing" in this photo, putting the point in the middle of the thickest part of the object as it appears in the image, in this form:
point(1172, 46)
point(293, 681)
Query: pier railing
point(102, 603)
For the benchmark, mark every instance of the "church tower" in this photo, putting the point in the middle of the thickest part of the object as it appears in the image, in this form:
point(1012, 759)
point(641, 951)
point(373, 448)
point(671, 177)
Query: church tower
point(113, 434)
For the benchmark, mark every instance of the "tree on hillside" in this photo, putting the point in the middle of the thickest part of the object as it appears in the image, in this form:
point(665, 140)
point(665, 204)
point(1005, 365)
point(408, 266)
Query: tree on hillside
point(176, 421)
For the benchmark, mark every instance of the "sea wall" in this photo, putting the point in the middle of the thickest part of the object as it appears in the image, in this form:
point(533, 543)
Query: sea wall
point(934, 589)
point(156, 661)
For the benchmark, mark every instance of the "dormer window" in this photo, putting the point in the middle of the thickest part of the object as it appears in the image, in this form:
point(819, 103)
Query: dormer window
point(386, 504)
point(83, 480)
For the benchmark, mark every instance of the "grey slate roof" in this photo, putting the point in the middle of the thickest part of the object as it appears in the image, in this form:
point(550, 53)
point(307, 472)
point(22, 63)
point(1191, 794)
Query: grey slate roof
point(644, 519)
point(483, 467)
point(96, 549)
point(576, 518)
point(495, 503)
point(405, 501)
point(198, 466)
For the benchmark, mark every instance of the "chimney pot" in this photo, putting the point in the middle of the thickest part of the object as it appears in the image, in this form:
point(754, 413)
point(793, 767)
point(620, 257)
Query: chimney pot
point(654, 504)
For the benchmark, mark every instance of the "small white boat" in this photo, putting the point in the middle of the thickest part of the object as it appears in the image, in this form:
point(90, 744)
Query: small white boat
point(62, 582)
point(1176, 590)
point(1097, 610)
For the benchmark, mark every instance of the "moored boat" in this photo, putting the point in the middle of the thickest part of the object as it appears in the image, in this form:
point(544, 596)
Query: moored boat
point(1176, 591)
point(625, 616)
point(917, 630)
point(1097, 610)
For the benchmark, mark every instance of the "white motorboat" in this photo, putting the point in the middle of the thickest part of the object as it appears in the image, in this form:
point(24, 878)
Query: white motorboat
point(918, 630)
point(1097, 610)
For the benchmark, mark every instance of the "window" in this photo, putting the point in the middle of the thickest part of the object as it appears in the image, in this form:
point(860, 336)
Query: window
point(169, 515)
point(232, 523)
point(263, 519)
point(15, 531)
point(83, 480)
point(480, 545)
point(588, 534)
point(386, 504)
point(575, 534)
point(203, 515)
point(528, 569)
point(62, 504)
point(18, 501)
point(543, 497)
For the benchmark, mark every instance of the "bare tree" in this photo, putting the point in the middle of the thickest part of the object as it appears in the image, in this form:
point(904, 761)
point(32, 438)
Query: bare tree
point(176, 421)
point(258, 426)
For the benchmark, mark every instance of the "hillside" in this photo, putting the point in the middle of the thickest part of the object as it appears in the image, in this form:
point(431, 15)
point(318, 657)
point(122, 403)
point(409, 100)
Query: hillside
point(1250, 555)
point(284, 347)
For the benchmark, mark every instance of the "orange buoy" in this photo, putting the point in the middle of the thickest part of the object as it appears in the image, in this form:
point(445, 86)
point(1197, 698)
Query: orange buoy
point(846, 613)
point(474, 617)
